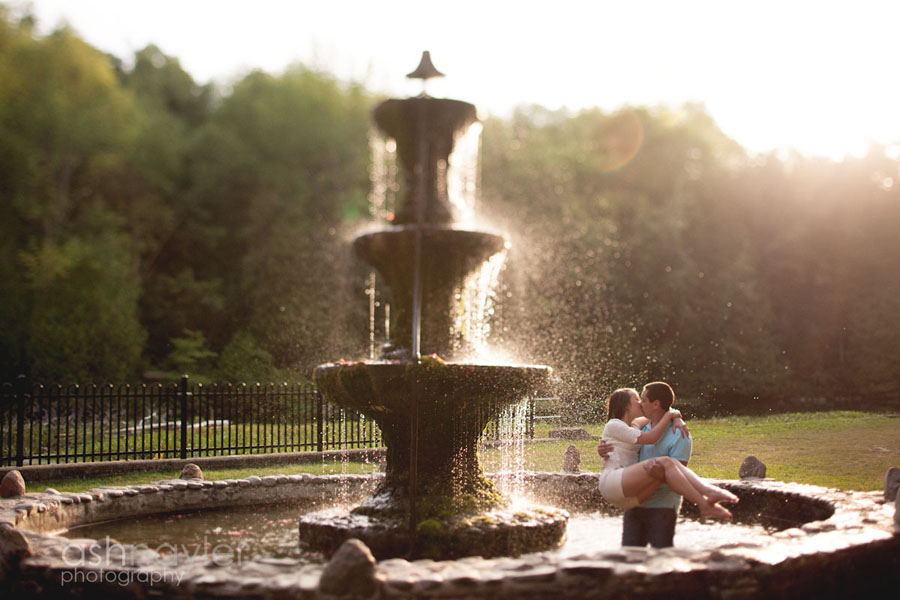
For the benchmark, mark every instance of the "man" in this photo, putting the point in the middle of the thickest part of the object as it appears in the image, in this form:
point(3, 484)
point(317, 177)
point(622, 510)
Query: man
point(653, 521)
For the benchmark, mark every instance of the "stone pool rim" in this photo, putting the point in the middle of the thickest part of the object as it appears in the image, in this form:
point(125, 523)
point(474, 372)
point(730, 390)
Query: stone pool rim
point(858, 531)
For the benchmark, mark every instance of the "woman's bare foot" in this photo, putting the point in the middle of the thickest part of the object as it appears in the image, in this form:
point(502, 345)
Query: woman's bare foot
point(711, 510)
point(717, 494)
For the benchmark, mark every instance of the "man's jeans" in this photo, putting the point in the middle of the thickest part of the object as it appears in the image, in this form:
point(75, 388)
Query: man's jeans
point(654, 526)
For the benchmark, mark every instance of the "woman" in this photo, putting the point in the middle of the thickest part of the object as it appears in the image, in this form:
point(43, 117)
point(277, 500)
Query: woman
point(626, 483)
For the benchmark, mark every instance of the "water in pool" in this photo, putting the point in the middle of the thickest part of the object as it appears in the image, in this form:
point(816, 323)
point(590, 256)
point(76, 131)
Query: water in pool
point(270, 532)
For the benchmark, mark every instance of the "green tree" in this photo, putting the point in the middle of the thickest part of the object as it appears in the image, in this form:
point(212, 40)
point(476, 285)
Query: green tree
point(283, 165)
point(70, 298)
point(190, 355)
point(243, 360)
point(620, 266)
point(827, 253)
point(181, 290)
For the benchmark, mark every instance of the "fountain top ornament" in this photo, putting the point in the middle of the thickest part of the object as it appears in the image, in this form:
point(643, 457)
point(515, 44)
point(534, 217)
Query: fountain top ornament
point(426, 69)
point(420, 390)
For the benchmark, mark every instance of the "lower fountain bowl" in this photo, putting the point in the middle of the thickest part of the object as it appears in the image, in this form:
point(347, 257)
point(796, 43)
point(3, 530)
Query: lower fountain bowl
point(495, 533)
point(384, 387)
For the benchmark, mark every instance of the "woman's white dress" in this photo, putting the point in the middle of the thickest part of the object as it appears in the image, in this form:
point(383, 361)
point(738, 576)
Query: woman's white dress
point(623, 438)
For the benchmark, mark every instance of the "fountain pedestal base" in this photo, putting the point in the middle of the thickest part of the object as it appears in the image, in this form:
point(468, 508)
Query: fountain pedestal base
point(460, 512)
point(495, 533)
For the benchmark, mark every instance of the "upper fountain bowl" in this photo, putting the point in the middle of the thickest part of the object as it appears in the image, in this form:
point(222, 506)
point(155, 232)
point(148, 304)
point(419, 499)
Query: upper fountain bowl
point(425, 130)
point(448, 256)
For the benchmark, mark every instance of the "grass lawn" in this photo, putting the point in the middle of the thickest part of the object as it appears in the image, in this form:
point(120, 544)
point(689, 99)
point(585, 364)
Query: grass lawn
point(840, 449)
point(846, 450)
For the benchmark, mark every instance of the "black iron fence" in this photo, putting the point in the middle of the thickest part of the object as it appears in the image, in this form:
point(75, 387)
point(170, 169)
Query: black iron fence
point(49, 424)
point(42, 424)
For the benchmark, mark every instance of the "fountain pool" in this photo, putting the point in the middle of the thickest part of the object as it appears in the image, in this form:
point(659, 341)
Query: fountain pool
point(266, 532)
point(832, 544)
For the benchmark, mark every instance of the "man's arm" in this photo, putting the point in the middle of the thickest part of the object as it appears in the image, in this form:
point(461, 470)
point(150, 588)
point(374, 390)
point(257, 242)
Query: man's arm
point(681, 449)
point(648, 438)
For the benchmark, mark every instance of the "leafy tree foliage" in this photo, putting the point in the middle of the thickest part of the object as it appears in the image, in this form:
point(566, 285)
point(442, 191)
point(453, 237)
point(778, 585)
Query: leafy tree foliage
point(656, 249)
point(135, 200)
point(284, 166)
point(150, 223)
point(70, 280)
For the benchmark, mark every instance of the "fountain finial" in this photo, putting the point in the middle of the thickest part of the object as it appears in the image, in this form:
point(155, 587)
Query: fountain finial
point(426, 69)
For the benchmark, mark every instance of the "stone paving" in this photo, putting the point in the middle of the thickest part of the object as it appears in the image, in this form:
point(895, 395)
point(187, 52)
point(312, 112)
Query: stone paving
point(841, 544)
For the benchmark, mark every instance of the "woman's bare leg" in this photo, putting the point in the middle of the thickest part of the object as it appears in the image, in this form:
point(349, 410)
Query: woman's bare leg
point(639, 483)
point(713, 494)
point(636, 481)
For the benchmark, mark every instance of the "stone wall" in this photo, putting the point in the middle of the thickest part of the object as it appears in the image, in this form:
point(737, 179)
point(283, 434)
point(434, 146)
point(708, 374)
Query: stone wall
point(56, 472)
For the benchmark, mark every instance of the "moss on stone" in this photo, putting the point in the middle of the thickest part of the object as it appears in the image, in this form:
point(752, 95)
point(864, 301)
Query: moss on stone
point(432, 360)
point(429, 527)
point(475, 496)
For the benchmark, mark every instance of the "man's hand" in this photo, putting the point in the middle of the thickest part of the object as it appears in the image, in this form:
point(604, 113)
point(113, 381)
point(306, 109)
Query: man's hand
point(678, 424)
point(604, 449)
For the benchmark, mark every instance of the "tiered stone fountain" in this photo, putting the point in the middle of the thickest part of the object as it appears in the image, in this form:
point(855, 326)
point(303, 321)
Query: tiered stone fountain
point(434, 500)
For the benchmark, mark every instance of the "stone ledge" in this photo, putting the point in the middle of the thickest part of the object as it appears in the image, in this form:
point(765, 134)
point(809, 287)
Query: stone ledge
point(34, 473)
point(571, 434)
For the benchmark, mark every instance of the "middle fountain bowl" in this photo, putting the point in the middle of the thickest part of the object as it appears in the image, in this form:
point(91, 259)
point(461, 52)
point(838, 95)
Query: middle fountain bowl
point(434, 500)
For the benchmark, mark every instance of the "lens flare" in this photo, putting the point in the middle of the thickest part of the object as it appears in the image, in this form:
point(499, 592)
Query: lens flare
point(620, 140)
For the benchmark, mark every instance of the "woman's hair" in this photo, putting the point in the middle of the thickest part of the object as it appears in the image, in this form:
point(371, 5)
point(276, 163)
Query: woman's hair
point(618, 403)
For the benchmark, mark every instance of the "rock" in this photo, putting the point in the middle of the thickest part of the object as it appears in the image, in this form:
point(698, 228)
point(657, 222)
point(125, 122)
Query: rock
point(897, 515)
point(891, 483)
point(14, 546)
point(351, 572)
point(12, 485)
point(571, 459)
point(752, 468)
point(191, 471)
point(570, 433)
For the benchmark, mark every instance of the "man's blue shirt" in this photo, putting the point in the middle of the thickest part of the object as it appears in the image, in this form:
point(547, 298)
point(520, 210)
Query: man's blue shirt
point(670, 444)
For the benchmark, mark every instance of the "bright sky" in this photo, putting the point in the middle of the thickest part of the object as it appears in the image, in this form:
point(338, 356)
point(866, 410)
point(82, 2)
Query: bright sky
point(819, 76)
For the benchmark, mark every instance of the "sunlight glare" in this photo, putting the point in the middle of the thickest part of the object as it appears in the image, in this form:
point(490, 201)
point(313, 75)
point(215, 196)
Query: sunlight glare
point(774, 75)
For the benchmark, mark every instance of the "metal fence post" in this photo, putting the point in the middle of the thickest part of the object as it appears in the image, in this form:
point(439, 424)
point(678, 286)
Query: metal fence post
point(320, 422)
point(21, 391)
point(184, 415)
point(531, 418)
